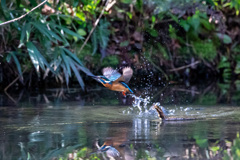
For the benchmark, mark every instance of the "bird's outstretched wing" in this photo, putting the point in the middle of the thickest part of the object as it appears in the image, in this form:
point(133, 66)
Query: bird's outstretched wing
point(127, 74)
point(111, 74)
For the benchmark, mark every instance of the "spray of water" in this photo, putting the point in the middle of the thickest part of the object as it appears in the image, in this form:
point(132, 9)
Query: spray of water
point(142, 106)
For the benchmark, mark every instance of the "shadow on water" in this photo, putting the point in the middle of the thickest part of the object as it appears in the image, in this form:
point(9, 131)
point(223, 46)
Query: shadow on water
point(68, 124)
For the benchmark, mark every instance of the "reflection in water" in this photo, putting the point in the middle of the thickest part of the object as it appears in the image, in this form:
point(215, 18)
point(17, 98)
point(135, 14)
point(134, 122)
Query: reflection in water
point(64, 124)
point(107, 147)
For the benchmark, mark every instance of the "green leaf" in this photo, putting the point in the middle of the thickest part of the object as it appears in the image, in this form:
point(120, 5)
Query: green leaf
point(85, 70)
point(94, 42)
point(73, 56)
point(226, 39)
point(82, 32)
point(25, 31)
point(65, 73)
point(195, 22)
point(65, 60)
point(129, 15)
point(75, 3)
point(68, 31)
point(37, 58)
point(153, 32)
point(38, 55)
point(215, 148)
point(54, 35)
point(33, 2)
point(126, 1)
point(66, 43)
point(33, 56)
point(79, 78)
point(185, 25)
point(81, 16)
point(17, 63)
point(45, 30)
point(206, 24)
point(42, 29)
point(153, 19)
point(3, 5)
point(103, 33)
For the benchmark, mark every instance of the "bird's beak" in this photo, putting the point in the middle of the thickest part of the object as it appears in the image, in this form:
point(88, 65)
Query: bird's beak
point(96, 78)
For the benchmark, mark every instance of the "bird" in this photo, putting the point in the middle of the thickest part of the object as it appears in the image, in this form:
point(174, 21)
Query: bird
point(115, 81)
point(108, 148)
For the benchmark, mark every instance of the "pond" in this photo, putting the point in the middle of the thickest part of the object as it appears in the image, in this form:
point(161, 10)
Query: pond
point(71, 124)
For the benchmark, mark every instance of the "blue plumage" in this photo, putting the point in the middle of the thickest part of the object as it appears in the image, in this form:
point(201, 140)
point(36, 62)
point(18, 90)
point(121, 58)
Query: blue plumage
point(113, 80)
point(123, 83)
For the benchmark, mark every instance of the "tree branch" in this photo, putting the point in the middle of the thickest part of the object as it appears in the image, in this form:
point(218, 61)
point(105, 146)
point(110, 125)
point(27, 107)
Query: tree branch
point(183, 67)
point(94, 26)
point(16, 19)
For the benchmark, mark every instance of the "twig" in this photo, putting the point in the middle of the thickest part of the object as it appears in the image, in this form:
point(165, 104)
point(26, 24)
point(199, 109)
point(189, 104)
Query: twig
point(16, 19)
point(94, 26)
point(15, 80)
point(183, 67)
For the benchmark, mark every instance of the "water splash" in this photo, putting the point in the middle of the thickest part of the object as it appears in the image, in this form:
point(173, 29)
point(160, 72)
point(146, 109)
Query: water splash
point(142, 106)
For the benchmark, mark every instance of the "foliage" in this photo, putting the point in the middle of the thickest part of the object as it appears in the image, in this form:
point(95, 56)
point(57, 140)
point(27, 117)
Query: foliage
point(205, 50)
point(48, 40)
point(235, 150)
point(232, 4)
point(100, 36)
point(167, 34)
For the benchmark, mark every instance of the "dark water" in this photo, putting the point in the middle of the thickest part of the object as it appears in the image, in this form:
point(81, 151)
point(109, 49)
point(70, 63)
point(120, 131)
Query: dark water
point(63, 124)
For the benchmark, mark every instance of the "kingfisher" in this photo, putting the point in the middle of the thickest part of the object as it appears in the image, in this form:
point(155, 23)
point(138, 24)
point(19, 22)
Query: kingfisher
point(108, 148)
point(115, 81)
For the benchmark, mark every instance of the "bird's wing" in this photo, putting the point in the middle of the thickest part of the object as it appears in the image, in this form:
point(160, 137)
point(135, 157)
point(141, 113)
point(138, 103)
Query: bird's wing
point(127, 74)
point(111, 74)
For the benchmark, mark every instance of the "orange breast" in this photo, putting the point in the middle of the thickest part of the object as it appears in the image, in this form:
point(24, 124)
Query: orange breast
point(118, 87)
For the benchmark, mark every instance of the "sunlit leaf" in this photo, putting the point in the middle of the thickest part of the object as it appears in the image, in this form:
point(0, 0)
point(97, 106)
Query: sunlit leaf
point(81, 16)
point(153, 19)
point(82, 32)
point(37, 58)
point(33, 56)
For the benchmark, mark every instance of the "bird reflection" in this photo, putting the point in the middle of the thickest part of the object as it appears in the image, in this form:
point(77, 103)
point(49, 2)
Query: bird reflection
point(107, 147)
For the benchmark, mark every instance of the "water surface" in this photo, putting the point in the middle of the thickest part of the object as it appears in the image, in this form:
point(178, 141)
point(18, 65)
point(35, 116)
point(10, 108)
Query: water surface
point(49, 126)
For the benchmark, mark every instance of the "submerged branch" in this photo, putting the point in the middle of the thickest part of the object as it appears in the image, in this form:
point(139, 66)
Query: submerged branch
point(14, 81)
